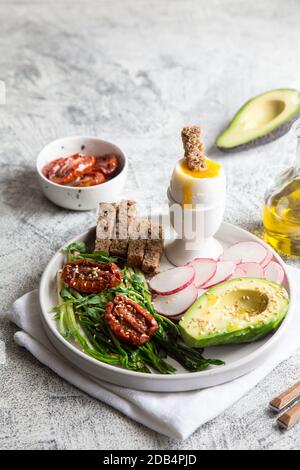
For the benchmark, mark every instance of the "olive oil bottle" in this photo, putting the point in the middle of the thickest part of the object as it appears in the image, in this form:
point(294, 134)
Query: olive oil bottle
point(281, 211)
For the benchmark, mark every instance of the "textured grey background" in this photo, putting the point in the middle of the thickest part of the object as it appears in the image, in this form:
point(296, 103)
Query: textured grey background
point(133, 72)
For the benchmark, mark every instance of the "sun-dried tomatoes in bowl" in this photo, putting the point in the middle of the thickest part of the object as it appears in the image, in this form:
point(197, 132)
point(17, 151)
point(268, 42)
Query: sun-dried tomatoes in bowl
point(66, 170)
point(130, 322)
point(81, 188)
point(88, 277)
point(81, 169)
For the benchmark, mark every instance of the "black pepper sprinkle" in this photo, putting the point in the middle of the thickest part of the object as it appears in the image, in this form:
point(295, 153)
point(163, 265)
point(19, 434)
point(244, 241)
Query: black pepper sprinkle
point(77, 196)
point(82, 147)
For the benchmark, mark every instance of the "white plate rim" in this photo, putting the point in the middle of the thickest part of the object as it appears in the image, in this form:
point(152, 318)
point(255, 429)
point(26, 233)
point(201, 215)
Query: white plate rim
point(251, 357)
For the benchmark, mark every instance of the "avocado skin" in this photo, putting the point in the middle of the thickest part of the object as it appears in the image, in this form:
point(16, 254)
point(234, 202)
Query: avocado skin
point(274, 134)
point(265, 139)
point(245, 335)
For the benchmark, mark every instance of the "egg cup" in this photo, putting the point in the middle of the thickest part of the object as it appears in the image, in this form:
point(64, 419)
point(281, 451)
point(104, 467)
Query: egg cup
point(196, 224)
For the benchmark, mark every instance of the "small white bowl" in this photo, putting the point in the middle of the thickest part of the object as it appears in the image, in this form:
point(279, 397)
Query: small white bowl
point(85, 198)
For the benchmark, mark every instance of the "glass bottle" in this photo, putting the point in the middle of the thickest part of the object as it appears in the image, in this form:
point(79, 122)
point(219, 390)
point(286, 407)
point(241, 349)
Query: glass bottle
point(281, 211)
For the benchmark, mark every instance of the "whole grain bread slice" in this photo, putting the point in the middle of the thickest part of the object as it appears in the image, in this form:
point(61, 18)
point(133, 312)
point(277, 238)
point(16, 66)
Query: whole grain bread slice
point(138, 232)
point(153, 249)
point(126, 212)
point(105, 226)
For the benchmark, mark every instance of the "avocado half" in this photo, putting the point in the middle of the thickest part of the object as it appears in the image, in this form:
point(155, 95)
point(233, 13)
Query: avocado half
point(241, 310)
point(262, 119)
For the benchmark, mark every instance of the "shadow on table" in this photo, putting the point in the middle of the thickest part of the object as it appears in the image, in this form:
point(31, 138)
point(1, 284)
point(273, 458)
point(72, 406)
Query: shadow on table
point(21, 192)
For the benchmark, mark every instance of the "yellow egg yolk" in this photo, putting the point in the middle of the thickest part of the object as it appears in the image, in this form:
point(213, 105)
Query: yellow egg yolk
point(213, 170)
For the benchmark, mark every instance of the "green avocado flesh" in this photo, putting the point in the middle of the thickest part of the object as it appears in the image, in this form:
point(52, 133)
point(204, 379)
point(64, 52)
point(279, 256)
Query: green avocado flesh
point(262, 119)
point(241, 310)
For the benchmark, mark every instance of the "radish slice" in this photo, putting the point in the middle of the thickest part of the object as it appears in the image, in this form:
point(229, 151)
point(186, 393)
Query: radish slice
point(176, 304)
point(205, 269)
point(225, 269)
point(274, 272)
point(173, 280)
point(252, 269)
point(245, 252)
point(239, 272)
point(267, 260)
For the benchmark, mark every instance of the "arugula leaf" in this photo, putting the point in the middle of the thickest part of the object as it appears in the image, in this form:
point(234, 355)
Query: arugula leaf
point(66, 294)
point(100, 257)
point(76, 246)
point(92, 312)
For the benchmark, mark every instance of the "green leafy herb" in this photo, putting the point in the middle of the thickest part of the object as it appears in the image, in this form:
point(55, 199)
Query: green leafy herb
point(79, 247)
point(79, 251)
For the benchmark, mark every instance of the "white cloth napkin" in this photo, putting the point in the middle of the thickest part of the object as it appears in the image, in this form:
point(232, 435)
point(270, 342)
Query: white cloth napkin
point(174, 414)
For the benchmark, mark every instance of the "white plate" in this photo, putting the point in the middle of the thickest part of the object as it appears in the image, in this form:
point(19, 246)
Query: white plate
point(239, 359)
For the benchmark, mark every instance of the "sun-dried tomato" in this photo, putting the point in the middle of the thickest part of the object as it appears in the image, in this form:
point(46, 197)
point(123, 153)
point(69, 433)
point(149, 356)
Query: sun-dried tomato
point(90, 179)
point(87, 276)
point(107, 164)
point(130, 322)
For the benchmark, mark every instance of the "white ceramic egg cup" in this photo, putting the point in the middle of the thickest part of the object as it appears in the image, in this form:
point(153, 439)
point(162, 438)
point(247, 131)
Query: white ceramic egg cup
point(197, 224)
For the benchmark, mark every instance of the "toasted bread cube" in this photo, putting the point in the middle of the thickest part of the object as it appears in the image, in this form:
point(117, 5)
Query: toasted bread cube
point(153, 253)
point(135, 254)
point(102, 245)
point(154, 248)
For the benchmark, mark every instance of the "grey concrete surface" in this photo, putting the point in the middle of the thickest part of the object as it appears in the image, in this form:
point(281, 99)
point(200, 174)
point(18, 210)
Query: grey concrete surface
point(133, 72)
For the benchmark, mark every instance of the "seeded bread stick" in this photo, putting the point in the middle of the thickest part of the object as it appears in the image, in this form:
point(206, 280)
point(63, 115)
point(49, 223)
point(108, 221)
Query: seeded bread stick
point(193, 148)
